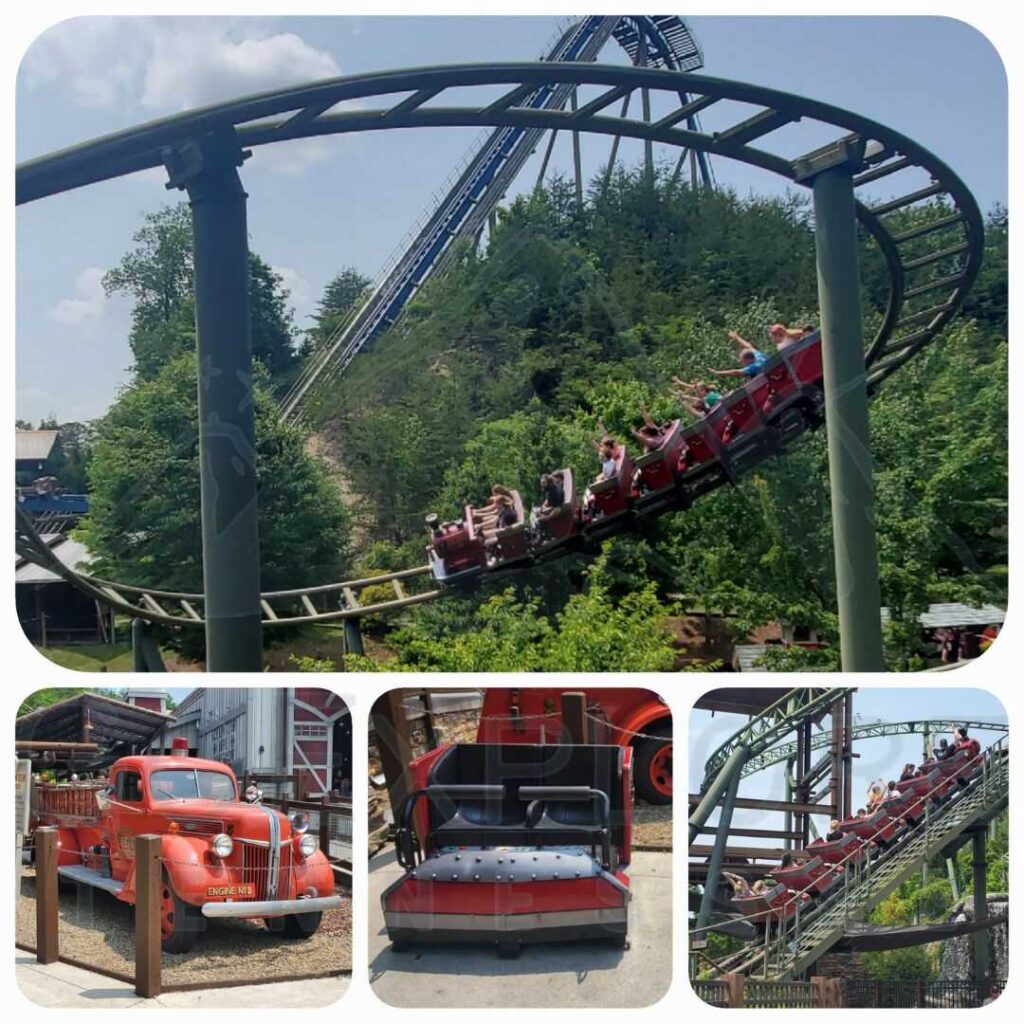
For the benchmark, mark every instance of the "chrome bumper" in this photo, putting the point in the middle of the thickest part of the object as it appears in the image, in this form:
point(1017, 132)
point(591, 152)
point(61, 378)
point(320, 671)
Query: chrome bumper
point(270, 908)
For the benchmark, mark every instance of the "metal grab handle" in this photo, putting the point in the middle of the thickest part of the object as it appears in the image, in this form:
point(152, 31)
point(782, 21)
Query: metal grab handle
point(406, 843)
point(438, 790)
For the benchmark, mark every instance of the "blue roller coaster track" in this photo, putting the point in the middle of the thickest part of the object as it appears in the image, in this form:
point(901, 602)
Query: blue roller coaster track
point(663, 42)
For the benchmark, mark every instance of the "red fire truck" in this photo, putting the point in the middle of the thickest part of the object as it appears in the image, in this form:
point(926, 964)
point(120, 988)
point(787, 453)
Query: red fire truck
point(222, 857)
point(624, 717)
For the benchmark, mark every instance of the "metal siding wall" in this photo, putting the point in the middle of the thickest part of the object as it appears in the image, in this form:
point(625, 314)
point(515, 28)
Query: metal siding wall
point(266, 723)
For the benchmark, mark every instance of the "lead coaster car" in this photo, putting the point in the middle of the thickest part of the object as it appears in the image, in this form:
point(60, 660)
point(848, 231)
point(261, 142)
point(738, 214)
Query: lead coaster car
point(513, 844)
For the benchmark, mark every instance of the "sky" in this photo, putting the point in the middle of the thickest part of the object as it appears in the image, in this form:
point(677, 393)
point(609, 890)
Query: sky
point(877, 757)
point(317, 206)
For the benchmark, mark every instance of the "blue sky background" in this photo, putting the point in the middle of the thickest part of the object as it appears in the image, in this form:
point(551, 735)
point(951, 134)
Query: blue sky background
point(883, 756)
point(320, 205)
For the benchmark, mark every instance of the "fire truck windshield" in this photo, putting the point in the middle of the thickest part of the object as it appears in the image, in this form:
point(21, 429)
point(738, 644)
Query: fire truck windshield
point(191, 784)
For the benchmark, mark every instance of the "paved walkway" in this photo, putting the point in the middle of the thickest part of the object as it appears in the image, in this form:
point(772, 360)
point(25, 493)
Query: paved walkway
point(61, 985)
point(589, 974)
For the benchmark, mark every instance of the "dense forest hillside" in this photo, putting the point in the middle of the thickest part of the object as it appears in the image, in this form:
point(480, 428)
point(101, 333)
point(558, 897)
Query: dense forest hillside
point(571, 318)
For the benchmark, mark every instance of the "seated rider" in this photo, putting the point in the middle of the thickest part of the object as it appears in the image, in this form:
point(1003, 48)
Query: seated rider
point(606, 452)
point(740, 886)
point(697, 398)
point(784, 336)
point(909, 771)
point(751, 361)
point(891, 789)
point(489, 509)
point(834, 832)
point(552, 487)
point(876, 794)
point(651, 434)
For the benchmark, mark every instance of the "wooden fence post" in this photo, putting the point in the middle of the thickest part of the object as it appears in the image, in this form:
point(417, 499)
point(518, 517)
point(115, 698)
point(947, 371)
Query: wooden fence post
point(574, 715)
point(47, 938)
point(734, 990)
point(148, 883)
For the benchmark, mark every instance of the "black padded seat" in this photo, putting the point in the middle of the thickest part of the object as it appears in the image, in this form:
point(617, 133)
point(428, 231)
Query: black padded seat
point(503, 821)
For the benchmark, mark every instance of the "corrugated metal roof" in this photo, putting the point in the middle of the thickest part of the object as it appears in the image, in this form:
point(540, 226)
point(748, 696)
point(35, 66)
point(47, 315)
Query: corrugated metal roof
point(71, 552)
point(34, 445)
point(941, 616)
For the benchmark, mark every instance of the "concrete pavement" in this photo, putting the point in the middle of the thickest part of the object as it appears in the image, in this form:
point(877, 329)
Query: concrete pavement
point(61, 985)
point(589, 974)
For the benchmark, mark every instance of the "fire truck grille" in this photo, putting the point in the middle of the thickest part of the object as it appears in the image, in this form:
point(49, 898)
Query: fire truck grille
point(256, 864)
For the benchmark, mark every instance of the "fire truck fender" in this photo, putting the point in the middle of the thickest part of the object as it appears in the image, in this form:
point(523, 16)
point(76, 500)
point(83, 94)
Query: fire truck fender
point(69, 853)
point(313, 873)
point(639, 717)
point(190, 867)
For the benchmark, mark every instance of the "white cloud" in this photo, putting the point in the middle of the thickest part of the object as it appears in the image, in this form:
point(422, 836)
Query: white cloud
point(170, 63)
point(300, 291)
point(97, 59)
point(90, 302)
point(190, 66)
point(291, 158)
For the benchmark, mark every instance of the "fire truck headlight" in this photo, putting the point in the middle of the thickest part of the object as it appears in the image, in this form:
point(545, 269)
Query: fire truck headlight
point(300, 822)
point(307, 845)
point(222, 845)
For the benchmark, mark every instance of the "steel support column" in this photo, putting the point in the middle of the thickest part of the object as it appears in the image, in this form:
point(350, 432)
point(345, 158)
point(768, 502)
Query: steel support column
point(207, 169)
point(720, 783)
point(981, 951)
point(353, 637)
point(717, 855)
point(846, 418)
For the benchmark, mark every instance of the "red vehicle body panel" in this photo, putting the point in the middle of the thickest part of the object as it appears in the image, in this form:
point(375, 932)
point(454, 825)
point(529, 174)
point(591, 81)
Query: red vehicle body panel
point(657, 468)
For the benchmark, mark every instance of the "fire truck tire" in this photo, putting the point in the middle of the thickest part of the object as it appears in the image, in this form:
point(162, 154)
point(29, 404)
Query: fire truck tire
point(300, 926)
point(653, 771)
point(179, 922)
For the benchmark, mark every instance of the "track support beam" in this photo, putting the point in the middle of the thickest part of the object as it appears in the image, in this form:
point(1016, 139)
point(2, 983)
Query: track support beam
point(846, 412)
point(981, 951)
point(711, 879)
point(207, 168)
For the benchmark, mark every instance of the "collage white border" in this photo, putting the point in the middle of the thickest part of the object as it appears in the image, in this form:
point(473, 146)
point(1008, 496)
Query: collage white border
point(998, 671)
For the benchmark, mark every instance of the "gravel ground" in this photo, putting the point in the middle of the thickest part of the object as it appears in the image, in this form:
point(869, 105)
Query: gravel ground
point(97, 929)
point(652, 826)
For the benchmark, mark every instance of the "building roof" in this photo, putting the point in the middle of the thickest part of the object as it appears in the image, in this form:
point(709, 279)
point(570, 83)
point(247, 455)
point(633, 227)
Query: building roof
point(72, 553)
point(92, 718)
point(939, 616)
point(34, 445)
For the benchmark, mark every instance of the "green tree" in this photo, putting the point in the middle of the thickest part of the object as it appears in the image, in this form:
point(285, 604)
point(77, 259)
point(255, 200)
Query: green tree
point(158, 273)
point(143, 526)
point(342, 293)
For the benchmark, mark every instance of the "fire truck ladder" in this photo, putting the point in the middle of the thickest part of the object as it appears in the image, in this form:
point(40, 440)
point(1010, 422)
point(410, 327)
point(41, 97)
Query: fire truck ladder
point(484, 178)
point(792, 947)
